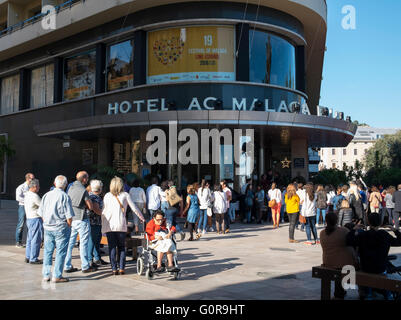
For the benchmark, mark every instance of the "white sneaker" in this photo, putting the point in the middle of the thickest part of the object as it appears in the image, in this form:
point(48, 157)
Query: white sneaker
point(203, 232)
point(199, 231)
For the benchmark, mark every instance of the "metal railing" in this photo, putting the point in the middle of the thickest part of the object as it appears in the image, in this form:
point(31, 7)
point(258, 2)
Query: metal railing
point(31, 20)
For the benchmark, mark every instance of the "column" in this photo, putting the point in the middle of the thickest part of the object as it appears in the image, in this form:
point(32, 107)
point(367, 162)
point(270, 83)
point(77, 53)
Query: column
point(261, 154)
point(104, 152)
point(299, 158)
point(100, 86)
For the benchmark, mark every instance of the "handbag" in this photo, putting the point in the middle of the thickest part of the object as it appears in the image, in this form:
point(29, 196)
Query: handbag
point(272, 203)
point(172, 197)
point(209, 212)
point(302, 219)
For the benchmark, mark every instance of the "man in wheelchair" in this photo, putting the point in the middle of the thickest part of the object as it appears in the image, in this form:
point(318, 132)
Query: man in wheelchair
point(161, 240)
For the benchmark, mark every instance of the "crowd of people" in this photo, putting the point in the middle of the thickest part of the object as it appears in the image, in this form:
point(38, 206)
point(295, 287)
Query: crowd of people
point(79, 208)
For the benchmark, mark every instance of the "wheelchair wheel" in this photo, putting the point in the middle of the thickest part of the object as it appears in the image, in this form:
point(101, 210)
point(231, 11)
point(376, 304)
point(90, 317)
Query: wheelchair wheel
point(177, 275)
point(140, 266)
point(149, 274)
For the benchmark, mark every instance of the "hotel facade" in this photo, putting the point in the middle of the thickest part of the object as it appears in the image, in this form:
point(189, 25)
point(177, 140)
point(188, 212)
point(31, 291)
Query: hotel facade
point(83, 82)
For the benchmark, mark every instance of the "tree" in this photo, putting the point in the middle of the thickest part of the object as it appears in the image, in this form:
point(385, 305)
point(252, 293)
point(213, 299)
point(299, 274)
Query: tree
point(333, 177)
point(385, 153)
point(360, 124)
point(353, 172)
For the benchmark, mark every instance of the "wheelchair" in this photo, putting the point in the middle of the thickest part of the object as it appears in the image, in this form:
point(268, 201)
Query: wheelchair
point(146, 263)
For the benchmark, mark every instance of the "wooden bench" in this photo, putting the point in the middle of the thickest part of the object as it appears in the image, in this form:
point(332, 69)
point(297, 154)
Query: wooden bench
point(327, 275)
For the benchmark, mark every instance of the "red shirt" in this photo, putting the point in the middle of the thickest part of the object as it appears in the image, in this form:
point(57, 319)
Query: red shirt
point(152, 228)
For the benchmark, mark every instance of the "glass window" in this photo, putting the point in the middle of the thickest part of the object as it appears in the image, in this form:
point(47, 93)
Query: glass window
point(120, 70)
point(3, 166)
point(10, 94)
point(204, 53)
point(42, 86)
point(355, 152)
point(79, 76)
point(271, 59)
point(344, 152)
point(333, 152)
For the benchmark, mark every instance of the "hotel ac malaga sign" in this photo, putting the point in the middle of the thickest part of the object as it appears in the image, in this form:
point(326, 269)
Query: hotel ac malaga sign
point(207, 103)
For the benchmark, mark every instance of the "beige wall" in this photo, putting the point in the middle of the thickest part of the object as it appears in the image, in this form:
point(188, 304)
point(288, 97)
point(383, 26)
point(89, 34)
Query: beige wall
point(349, 158)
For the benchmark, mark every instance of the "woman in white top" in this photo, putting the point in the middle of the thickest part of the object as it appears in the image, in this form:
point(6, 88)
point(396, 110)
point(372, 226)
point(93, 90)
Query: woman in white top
point(204, 196)
point(114, 223)
point(138, 196)
point(309, 212)
point(219, 207)
point(275, 194)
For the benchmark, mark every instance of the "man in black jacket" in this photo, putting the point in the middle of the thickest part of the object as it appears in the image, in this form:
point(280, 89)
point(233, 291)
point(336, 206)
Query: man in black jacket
point(397, 209)
point(373, 246)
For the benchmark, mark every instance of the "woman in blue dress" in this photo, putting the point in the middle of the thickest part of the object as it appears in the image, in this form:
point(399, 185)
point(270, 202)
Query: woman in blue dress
point(193, 210)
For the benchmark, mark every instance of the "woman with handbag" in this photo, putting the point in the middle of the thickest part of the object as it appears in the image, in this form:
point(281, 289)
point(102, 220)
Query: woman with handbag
point(219, 207)
point(309, 214)
point(292, 204)
point(375, 199)
point(275, 204)
point(204, 195)
point(192, 208)
point(321, 204)
point(114, 223)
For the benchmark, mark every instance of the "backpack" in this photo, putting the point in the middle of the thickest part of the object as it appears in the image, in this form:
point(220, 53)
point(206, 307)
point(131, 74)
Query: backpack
point(234, 196)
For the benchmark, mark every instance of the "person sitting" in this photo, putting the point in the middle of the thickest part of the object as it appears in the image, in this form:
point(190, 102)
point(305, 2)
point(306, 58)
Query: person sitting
point(345, 214)
point(336, 252)
point(373, 247)
point(156, 229)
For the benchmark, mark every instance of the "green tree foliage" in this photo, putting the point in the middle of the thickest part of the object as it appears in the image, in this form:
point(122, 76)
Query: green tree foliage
point(333, 177)
point(385, 153)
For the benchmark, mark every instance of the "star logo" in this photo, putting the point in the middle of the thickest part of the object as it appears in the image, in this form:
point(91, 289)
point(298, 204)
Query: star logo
point(286, 163)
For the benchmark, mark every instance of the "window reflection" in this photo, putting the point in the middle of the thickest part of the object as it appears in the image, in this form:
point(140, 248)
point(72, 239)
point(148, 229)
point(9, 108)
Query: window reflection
point(272, 60)
point(42, 85)
point(120, 71)
point(10, 94)
point(79, 76)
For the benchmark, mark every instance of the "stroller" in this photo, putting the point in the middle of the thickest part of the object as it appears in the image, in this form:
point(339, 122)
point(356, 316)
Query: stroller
point(146, 262)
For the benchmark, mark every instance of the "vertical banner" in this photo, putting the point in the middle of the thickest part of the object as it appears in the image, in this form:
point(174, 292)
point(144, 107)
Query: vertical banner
point(191, 54)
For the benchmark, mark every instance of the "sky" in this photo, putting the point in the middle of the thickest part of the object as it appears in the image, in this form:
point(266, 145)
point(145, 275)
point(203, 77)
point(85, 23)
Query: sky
point(362, 67)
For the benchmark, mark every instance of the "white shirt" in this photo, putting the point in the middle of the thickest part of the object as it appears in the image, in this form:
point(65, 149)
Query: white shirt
point(227, 192)
point(137, 195)
point(275, 195)
point(330, 197)
point(32, 204)
point(301, 194)
point(219, 203)
point(153, 197)
point(204, 198)
point(308, 207)
point(113, 217)
point(20, 193)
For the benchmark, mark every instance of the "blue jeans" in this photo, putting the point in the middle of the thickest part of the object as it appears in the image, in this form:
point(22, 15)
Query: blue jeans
point(227, 219)
point(311, 225)
point(116, 240)
point(202, 220)
point(83, 229)
point(171, 219)
point(55, 239)
point(34, 238)
point(231, 212)
point(20, 224)
point(94, 242)
point(318, 215)
point(248, 214)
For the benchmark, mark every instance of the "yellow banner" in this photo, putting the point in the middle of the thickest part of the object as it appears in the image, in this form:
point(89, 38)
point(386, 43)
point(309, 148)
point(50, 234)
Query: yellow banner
point(191, 53)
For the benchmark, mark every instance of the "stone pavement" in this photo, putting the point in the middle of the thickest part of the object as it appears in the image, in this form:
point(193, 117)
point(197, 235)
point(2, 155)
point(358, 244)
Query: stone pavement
point(251, 262)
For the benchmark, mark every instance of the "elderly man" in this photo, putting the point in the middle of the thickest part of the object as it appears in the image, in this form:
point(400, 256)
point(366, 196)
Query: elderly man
point(34, 223)
point(56, 211)
point(20, 197)
point(81, 203)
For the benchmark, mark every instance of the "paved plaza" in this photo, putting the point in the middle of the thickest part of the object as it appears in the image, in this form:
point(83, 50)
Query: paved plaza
point(251, 262)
